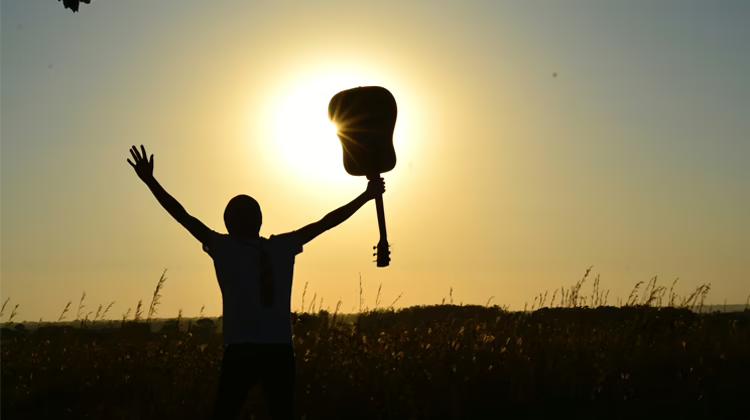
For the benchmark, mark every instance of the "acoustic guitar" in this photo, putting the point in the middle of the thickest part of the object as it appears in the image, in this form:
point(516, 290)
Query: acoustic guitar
point(365, 118)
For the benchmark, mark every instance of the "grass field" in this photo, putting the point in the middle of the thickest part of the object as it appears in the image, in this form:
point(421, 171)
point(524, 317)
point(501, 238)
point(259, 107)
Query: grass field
point(442, 361)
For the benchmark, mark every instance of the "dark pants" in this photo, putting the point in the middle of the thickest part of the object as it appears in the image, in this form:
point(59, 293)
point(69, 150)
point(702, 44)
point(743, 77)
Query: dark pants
point(247, 364)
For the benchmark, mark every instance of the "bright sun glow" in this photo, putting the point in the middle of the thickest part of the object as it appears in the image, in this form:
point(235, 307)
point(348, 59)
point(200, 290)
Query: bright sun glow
point(301, 140)
point(304, 139)
point(304, 136)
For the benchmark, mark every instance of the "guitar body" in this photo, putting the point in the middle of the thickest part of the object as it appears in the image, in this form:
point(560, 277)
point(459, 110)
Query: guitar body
point(365, 118)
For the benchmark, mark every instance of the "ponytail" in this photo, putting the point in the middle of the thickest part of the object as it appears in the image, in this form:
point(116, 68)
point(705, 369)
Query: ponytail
point(266, 275)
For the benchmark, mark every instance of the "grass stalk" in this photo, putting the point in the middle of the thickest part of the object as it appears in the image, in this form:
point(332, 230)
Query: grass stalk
point(155, 298)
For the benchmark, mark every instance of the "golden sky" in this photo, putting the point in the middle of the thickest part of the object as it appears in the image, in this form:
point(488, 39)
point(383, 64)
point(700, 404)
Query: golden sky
point(534, 139)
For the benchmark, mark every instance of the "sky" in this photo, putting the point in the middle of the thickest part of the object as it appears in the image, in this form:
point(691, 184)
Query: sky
point(534, 139)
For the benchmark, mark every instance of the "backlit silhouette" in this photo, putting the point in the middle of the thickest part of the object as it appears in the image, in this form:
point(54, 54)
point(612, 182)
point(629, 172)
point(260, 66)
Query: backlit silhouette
point(73, 4)
point(255, 278)
point(365, 118)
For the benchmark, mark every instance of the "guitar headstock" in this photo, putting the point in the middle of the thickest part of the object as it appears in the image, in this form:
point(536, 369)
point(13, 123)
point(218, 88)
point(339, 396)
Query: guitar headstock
point(382, 254)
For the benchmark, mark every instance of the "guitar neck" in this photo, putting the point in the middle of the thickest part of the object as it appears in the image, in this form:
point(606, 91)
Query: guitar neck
point(381, 218)
point(381, 214)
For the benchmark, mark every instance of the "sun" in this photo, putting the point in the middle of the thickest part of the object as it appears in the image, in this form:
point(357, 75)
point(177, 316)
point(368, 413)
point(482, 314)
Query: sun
point(299, 140)
point(304, 140)
point(303, 136)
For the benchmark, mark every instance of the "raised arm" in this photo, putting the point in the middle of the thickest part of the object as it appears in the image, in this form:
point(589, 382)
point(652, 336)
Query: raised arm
point(375, 187)
point(144, 168)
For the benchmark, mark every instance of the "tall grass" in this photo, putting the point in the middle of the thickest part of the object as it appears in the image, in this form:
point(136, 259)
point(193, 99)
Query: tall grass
point(643, 294)
point(65, 311)
point(648, 293)
point(5, 303)
point(81, 306)
point(156, 295)
point(446, 361)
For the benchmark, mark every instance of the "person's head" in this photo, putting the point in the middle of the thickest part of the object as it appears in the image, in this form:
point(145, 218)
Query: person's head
point(242, 217)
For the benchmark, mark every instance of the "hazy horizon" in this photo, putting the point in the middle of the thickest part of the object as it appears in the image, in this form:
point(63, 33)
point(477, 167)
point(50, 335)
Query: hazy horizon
point(534, 139)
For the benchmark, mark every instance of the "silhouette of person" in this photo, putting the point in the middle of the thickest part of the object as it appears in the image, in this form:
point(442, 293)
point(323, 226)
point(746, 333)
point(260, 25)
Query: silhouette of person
point(255, 278)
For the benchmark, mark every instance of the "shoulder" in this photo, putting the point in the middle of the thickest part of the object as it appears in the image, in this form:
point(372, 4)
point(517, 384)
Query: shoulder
point(286, 242)
point(213, 241)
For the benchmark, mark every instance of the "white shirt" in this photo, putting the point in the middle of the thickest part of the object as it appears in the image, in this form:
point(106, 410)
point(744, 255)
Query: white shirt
point(237, 264)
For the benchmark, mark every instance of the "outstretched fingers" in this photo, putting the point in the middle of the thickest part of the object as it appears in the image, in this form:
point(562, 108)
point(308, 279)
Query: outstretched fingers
point(134, 153)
